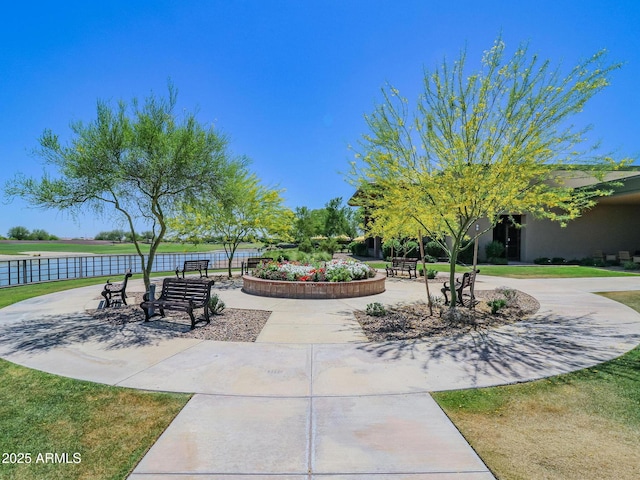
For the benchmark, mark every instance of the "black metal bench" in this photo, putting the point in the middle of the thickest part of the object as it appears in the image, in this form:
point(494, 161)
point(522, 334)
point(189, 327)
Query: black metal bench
point(114, 292)
point(194, 266)
point(402, 264)
point(180, 294)
point(252, 262)
point(467, 280)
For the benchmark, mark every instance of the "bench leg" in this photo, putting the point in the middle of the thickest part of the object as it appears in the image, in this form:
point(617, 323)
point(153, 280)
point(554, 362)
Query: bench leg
point(193, 319)
point(107, 298)
point(444, 292)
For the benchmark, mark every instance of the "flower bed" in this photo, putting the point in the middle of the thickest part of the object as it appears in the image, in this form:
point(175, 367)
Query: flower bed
point(333, 271)
point(335, 279)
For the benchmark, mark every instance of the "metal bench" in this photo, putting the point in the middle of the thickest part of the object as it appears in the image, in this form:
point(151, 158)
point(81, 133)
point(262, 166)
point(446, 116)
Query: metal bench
point(252, 262)
point(402, 264)
point(467, 280)
point(180, 294)
point(116, 292)
point(194, 266)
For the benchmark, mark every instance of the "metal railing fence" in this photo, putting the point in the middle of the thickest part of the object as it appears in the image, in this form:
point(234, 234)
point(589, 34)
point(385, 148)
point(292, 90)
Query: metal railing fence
point(46, 269)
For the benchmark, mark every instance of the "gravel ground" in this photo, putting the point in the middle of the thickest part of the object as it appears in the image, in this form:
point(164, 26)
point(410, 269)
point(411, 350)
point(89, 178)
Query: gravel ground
point(413, 321)
point(232, 325)
point(401, 322)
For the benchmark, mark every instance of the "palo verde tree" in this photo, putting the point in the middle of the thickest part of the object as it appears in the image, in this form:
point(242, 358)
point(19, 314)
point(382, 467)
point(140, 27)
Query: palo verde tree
point(243, 208)
point(480, 145)
point(136, 162)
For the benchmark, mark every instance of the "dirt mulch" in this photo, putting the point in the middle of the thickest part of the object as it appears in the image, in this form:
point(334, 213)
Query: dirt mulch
point(402, 321)
point(231, 325)
point(413, 321)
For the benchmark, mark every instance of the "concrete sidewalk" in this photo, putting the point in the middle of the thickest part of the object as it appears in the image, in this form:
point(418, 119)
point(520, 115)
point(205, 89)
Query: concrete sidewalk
point(311, 399)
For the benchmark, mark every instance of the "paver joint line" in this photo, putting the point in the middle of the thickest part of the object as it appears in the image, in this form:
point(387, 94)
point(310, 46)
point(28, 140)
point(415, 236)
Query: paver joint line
point(157, 363)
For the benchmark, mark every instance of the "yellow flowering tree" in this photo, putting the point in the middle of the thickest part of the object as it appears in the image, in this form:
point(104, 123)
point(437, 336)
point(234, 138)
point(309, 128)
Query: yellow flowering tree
point(478, 146)
point(243, 209)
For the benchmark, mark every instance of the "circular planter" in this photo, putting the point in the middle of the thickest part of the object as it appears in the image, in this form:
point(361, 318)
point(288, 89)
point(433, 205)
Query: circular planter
point(315, 290)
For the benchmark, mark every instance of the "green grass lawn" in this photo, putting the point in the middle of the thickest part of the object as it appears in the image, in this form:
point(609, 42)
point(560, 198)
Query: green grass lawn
point(9, 295)
point(582, 425)
point(113, 249)
point(527, 271)
point(109, 428)
point(104, 430)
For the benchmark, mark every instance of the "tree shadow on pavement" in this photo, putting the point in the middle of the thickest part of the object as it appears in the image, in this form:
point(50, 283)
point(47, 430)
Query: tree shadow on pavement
point(546, 346)
point(56, 331)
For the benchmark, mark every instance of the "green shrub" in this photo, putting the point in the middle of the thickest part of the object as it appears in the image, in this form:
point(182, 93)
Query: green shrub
point(216, 305)
point(330, 246)
point(320, 257)
point(558, 261)
point(376, 309)
point(592, 262)
point(436, 300)
point(433, 249)
point(431, 273)
point(508, 293)
point(630, 265)
point(498, 261)
point(494, 249)
point(359, 248)
point(496, 305)
point(542, 261)
point(466, 256)
point(305, 246)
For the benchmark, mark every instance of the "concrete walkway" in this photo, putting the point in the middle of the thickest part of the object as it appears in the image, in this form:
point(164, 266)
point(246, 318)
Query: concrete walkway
point(311, 399)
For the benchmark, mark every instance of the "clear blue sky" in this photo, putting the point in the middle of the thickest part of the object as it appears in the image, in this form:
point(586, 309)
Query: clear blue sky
point(288, 80)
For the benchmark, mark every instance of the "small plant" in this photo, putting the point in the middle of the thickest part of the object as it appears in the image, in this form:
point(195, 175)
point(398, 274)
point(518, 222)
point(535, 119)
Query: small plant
point(542, 261)
point(436, 300)
point(431, 273)
point(630, 265)
point(496, 305)
point(376, 309)
point(558, 261)
point(508, 293)
point(216, 305)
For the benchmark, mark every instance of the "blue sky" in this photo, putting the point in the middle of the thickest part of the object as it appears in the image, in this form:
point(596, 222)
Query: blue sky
point(289, 81)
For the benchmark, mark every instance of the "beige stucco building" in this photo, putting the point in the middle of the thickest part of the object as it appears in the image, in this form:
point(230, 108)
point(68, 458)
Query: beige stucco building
point(612, 225)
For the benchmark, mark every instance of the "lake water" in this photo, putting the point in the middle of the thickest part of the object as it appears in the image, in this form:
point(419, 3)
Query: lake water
point(44, 269)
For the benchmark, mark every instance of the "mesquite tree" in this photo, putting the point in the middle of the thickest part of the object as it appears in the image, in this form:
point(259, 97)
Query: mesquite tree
point(134, 163)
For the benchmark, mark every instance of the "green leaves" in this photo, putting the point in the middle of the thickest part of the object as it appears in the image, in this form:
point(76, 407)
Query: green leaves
point(138, 161)
point(478, 145)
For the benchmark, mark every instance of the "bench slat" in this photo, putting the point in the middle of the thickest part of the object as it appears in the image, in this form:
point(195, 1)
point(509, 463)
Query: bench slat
point(182, 294)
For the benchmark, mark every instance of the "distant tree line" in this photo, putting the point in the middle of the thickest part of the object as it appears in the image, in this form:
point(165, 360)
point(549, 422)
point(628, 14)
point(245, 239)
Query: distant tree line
point(124, 236)
point(334, 220)
point(23, 233)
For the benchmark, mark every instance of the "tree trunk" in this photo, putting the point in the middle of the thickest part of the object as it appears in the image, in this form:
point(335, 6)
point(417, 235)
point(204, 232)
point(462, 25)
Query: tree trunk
point(453, 257)
point(424, 271)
